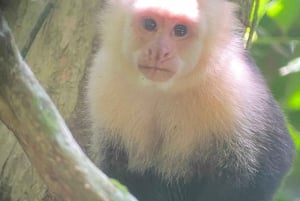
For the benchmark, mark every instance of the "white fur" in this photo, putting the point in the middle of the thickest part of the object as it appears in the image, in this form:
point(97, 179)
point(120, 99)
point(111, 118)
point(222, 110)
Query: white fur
point(163, 125)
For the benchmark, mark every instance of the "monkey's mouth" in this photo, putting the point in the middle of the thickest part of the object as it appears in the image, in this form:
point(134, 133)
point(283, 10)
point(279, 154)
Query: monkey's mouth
point(155, 73)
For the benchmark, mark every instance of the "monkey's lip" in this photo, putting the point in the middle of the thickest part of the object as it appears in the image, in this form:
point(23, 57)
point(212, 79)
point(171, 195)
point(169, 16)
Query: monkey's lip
point(154, 68)
point(156, 73)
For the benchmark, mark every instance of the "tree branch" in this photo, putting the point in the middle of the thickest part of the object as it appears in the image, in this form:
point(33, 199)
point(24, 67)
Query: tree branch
point(27, 110)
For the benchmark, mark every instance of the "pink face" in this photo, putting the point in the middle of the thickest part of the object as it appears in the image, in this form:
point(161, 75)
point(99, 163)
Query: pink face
point(160, 38)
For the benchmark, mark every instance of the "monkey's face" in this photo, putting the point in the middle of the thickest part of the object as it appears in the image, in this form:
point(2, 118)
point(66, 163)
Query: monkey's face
point(165, 46)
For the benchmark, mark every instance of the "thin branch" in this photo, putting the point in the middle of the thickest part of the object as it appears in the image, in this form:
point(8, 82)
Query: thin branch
point(41, 19)
point(254, 13)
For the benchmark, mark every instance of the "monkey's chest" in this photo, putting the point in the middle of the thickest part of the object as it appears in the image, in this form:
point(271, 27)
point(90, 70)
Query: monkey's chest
point(162, 133)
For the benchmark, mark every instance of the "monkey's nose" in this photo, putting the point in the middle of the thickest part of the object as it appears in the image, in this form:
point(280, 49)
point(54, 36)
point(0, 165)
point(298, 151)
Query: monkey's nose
point(162, 55)
point(159, 55)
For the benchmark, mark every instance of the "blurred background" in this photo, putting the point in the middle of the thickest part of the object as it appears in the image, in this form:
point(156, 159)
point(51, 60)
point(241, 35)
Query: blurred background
point(276, 49)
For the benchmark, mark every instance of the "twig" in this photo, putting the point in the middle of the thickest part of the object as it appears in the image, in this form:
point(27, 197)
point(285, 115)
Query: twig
point(254, 13)
point(41, 19)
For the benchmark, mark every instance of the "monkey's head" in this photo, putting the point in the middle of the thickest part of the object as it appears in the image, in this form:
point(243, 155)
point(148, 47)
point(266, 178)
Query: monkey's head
point(162, 40)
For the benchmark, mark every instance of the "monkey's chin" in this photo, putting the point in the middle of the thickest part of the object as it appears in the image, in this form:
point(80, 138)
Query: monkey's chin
point(156, 74)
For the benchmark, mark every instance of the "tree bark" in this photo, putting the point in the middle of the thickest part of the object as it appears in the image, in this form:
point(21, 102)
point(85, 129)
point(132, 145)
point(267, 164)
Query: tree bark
point(26, 109)
point(58, 57)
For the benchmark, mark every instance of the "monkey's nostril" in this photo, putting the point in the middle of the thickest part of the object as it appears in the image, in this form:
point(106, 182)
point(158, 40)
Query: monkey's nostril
point(158, 55)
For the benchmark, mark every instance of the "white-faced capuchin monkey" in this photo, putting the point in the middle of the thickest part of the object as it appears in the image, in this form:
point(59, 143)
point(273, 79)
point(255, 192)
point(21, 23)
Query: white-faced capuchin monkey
point(179, 111)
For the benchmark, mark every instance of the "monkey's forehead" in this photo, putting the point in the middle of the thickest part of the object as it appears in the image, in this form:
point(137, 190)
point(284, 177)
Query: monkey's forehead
point(188, 8)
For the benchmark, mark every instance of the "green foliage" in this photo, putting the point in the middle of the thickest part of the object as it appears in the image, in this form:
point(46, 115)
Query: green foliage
point(284, 13)
point(295, 136)
point(276, 49)
point(118, 185)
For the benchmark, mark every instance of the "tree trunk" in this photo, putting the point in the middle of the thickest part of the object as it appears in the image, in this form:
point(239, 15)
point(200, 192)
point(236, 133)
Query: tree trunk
point(58, 57)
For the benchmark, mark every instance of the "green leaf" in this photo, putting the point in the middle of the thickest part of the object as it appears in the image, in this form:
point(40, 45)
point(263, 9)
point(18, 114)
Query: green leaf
point(262, 8)
point(295, 135)
point(284, 12)
point(294, 101)
point(118, 185)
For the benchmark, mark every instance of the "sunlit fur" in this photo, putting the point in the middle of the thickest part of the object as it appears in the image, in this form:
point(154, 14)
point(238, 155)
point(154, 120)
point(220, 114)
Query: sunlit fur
point(161, 124)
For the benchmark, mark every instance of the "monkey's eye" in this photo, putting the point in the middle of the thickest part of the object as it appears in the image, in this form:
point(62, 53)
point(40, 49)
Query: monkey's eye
point(149, 24)
point(180, 30)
